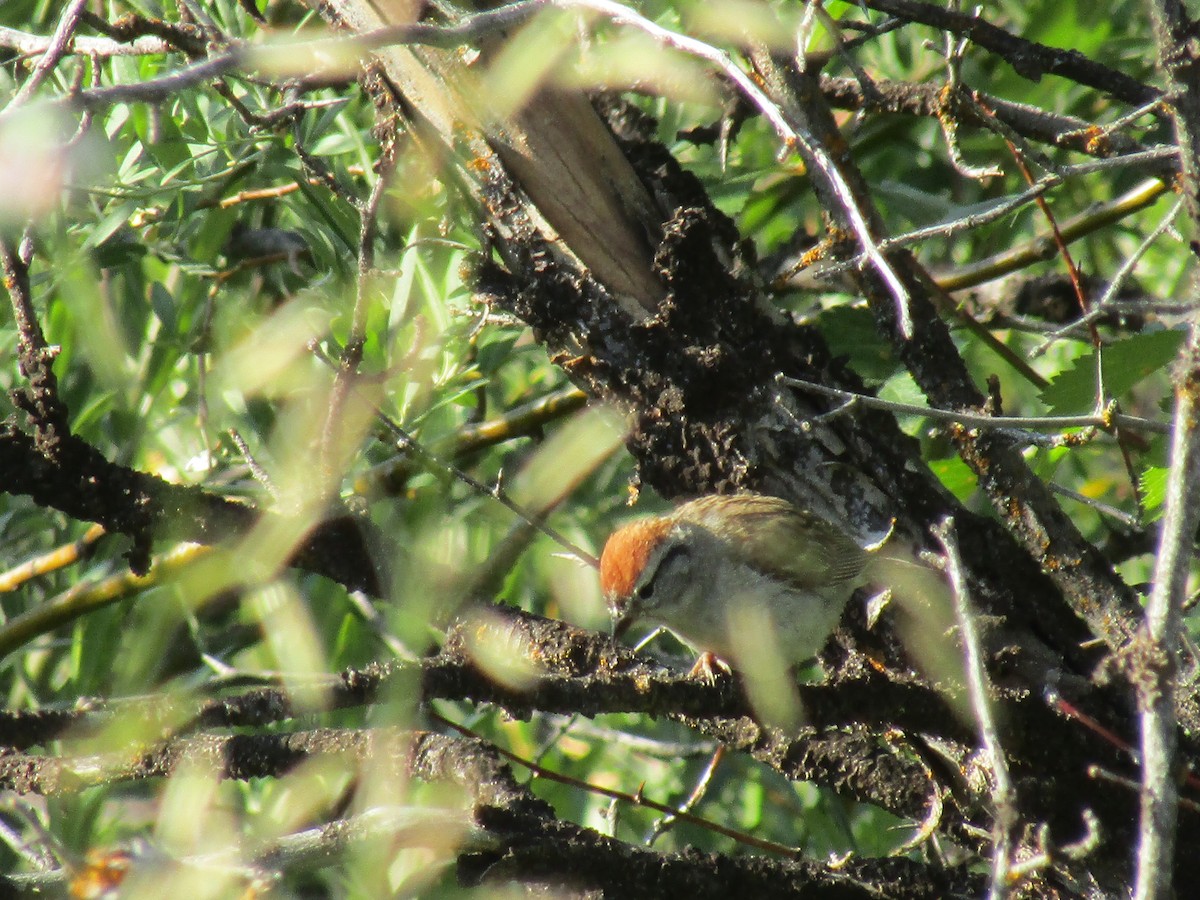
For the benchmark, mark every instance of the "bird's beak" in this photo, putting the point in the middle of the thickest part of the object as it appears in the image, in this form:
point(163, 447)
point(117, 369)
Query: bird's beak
point(621, 620)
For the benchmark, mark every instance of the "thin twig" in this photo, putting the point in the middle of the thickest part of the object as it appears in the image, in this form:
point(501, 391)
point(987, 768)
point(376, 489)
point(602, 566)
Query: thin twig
point(1090, 132)
point(1099, 773)
point(43, 853)
point(1103, 306)
point(1047, 853)
point(952, 96)
point(53, 561)
point(1028, 57)
point(1158, 661)
point(526, 420)
point(1155, 665)
point(1104, 509)
point(975, 420)
point(88, 596)
point(1004, 796)
point(156, 90)
point(996, 210)
point(54, 52)
point(260, 474)
point(346, 373)
point(664, 824)
point(641, 744)
point(411, 445)
point(378, 625)
point(638, 799)
point(101, 47)
point(792, 134)
point(241, 55)
point(41, 402)
point(1034, 251)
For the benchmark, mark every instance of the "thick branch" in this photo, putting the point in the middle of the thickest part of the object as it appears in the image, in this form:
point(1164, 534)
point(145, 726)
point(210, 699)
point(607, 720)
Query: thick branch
point(1096, 593)
point(533, 846)
point(88, 487)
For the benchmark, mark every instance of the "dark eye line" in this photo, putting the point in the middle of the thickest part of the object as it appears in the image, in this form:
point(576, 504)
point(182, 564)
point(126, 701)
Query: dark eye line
point(646, 591)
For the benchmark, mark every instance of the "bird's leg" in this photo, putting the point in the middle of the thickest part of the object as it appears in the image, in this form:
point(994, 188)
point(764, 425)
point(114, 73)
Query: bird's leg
point(707, 665)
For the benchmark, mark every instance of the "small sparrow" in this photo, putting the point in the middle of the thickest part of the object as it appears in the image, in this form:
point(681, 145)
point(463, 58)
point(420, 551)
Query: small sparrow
point(700, 569)
point(265, 244)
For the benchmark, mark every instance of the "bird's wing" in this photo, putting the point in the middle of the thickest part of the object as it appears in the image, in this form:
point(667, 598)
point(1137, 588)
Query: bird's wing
point(780, 538)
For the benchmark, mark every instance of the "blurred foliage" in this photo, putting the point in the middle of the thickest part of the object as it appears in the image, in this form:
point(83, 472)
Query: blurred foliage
point(165, 350)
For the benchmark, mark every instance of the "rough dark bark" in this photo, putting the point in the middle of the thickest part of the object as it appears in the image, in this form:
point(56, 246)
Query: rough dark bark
point(697, 367)
point(648, 296)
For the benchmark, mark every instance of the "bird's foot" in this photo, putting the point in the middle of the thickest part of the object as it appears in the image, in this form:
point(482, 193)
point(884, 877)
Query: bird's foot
point(707, 666)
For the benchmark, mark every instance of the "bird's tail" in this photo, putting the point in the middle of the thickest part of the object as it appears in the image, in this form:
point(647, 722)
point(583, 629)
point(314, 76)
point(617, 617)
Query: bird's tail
point(922, 612)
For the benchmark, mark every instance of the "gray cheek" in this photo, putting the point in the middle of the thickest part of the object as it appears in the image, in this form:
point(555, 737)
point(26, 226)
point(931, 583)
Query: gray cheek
point(697, 617)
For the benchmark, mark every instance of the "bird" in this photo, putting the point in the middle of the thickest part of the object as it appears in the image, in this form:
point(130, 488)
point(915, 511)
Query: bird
point(247, 244)
point(701, 568)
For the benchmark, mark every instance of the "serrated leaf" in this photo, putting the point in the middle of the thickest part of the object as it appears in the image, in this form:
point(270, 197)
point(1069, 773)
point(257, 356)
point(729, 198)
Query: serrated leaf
point(1073, 391)
point(1153, 484)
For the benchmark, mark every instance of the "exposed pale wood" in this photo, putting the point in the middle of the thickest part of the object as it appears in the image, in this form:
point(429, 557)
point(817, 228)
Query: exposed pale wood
point(588, 199)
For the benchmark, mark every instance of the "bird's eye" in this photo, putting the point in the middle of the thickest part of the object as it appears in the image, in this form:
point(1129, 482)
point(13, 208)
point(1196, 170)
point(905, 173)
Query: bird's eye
point(676, 556)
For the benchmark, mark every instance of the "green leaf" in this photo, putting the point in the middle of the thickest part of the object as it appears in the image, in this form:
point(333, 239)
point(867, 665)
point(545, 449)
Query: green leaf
point(901, 388)
point(850, 331)
point(163, 305)
point(752, 800)
point(956, 475)
point(1073, 390)
point(1153, 484)
point(113, 221)
point(495, 350)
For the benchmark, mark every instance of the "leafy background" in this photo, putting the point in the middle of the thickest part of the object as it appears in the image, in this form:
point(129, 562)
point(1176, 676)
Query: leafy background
point(163, 351)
